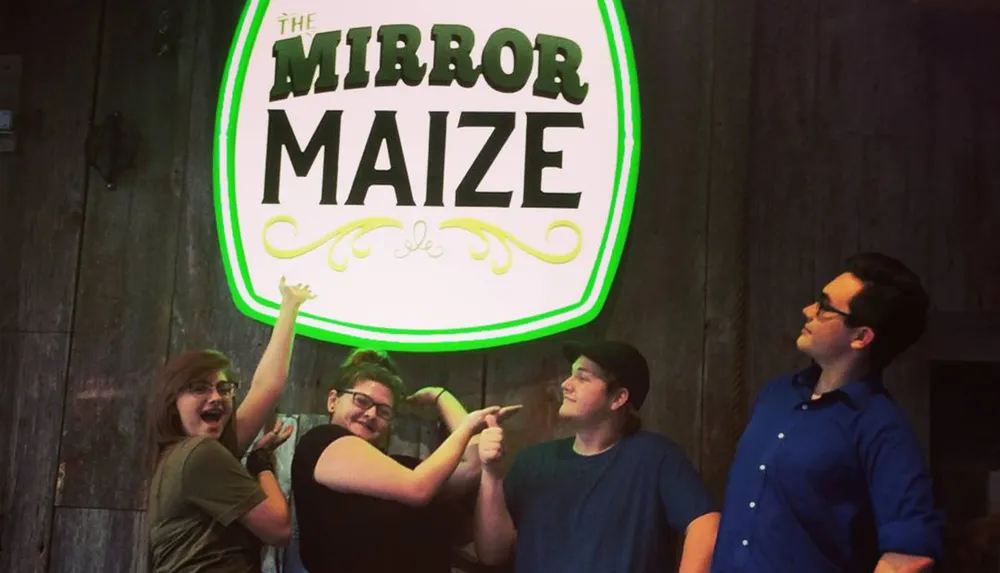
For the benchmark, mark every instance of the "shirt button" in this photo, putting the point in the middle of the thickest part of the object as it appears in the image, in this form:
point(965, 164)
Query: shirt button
point(745, 543)
point(805, 406)
point(781, 436)
point(762, 467)
point(753, 504)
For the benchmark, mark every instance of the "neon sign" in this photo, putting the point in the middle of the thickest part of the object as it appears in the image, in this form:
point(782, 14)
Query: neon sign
point(445, 176)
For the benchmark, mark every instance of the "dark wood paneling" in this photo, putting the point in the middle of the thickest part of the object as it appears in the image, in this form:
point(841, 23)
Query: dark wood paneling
point(32, 389)
point(89, 540)
point(963, 179)
point(724, 389)
point(43, 201)
point(121, 326)
point(783, 223)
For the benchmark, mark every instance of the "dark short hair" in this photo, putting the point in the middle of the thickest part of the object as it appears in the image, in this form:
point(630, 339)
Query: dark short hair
point(892, 303)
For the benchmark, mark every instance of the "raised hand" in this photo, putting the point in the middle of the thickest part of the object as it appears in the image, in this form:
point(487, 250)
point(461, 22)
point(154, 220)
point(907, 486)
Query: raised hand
point(294, 295)
point(270, 441)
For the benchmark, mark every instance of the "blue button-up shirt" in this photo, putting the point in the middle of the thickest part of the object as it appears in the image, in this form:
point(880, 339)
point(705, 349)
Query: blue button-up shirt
point(826, 485)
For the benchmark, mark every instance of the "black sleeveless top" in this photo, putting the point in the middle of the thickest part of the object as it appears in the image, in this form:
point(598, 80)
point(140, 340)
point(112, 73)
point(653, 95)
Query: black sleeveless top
point(352, 533)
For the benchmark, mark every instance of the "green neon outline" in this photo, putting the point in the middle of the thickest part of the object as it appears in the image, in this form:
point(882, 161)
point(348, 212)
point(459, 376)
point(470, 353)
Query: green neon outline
point(425, 344)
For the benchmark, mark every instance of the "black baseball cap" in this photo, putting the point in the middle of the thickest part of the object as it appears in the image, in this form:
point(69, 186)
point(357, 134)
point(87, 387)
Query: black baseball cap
point(619, 360)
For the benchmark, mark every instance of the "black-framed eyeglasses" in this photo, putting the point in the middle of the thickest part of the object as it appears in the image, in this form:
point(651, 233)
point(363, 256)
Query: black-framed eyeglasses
point(364, 401)
point(225, 388)
point(823, 305)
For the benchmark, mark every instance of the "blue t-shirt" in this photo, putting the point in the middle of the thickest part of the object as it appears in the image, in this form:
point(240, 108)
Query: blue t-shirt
point(607, 513)
point(827, 485)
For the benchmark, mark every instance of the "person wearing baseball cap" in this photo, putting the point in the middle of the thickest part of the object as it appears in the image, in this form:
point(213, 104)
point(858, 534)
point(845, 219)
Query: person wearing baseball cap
point(603, 500)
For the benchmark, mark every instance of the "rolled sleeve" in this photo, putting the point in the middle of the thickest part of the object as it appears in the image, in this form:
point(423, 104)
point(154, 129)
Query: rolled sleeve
point(920, 537)
point(901, 492)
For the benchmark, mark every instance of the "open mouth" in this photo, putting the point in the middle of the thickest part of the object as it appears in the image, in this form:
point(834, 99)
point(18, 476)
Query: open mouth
point(212, 416)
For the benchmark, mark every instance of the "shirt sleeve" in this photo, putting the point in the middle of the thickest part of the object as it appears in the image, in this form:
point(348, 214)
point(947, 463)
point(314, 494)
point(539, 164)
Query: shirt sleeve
point(216, 482)
point(900, 491)
point(682, 492)
point(512, 487)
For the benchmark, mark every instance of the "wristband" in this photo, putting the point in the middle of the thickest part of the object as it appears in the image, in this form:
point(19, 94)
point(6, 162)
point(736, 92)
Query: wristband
point(438, 398)
point(258, 461)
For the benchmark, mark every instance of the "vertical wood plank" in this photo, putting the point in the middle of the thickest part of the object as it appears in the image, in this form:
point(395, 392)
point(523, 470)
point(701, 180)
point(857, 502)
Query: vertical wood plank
point(845, 114)
point(44, 196)
point(724, 389)
point(954, 43)
point(783, 180)
point(121, 323)
point(673, 52)
point(32, 389)
point(88, 540)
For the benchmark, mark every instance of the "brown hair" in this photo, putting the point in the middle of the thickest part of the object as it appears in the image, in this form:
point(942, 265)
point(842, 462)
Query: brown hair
point(165, 424)
point(360, 356)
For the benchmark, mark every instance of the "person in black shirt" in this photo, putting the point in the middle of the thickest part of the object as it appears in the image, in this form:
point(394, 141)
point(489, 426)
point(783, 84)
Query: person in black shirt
point(359, 509)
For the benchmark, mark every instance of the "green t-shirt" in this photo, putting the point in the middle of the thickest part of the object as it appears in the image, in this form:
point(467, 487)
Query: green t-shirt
point(198, 493)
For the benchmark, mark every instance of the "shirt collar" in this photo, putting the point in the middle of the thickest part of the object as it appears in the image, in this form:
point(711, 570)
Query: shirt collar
point(856, 392)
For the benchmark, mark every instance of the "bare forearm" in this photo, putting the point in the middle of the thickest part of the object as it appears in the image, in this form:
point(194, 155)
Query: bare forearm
point(269, 378)
point(699, 544)
point(493, 529)
point(433, 472)
point(273, 368)
point(275, 497)
point(451, 410)
point(899, 563)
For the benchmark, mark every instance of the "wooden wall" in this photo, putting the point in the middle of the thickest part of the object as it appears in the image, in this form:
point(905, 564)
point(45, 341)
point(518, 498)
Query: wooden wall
point(778, 138)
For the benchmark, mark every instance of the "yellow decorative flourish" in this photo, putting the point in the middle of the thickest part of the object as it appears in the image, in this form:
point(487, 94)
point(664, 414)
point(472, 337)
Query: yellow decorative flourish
point(481, 228)
point(358, 228)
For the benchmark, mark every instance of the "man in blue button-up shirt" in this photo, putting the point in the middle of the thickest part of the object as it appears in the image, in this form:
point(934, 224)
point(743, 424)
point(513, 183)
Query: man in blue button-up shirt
point(828, 477)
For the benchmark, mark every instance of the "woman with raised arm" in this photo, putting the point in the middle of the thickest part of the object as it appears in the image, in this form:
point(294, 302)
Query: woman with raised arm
point(206, 512)
point(360, 509)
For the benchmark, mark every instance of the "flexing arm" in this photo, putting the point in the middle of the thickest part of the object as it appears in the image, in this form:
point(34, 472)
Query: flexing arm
point(452, 412)
point(493, 529)
point(269, 378)
point(699, 543)
point(352, 465)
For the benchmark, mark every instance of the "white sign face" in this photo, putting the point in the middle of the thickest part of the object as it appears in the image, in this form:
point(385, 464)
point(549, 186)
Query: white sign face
point(444, 175)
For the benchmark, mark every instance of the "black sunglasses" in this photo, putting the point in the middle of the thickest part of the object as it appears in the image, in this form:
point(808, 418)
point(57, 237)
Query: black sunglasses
point(823, 305)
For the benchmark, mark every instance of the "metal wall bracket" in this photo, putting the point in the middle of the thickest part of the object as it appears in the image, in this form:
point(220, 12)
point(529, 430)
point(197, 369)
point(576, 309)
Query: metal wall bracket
point(10, 89)
point(111, 148)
